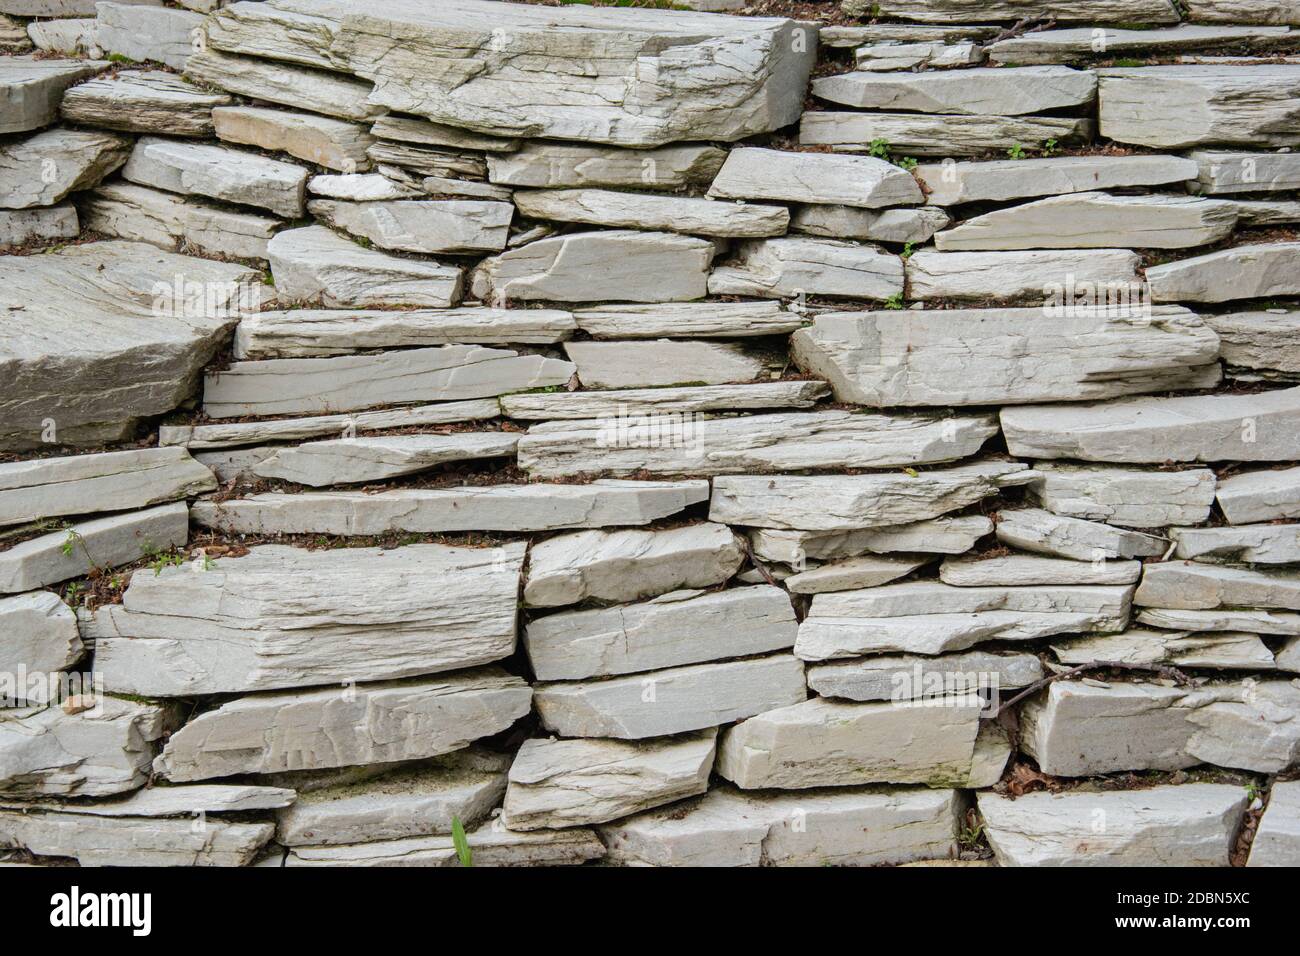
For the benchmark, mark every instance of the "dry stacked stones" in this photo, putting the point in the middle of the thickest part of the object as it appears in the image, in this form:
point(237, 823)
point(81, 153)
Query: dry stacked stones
point(578, 425)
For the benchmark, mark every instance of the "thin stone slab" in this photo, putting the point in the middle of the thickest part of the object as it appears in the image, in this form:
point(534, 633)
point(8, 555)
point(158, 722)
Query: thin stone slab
point(671, 701)
point(1087, 43)
point(1091, 11)
point(1249, 544)
point(1259, 344)
point(243, 625)
point(629, 565)
point(410, 129)
point(682, 627)
point(934, 55)
point(1031, 274)
point(1243, 11)
point(107, 750)
point(31, 89)
point(42, 224)
point(14, 38)
point(937, 134)
point(859, 181)
point(1241, 272)
point(853, 573)
point(194, 800)
point(1230, 171)
point(790, 441)
point(884, 225)
point(1195, 586)
point(686, 320)
point(426, 226)
point(1039, 531)
point(1021, 570)
point(614, 264)
point(519, 508)
point(143, 101)
point(687, 400)
point(543, 165)
point(1001, 356)
point(700, 217)
point(332, 143)
point(217, 172)
point(407, 162)
point(40, 638)
point(851, 502)
point(43, 169)
point(839, 36)
point(1277, 840)
point(350, 382)
point(843, 827)
point(1223, 620)
point(1129, 497)
point(346, 461)
point(1191, 824)
point(927, 617)
point(145, 32)
point(795, 265)
point(88, 484)
point(371, 723)
point(951, 183)
point(331, 94)
point(360, 187)
point(132, 841)
point(908, 677)
point(570, 783)
point(85, 546)
point(981, 91)
point(490, 845)
point(663, 363)
point(1218, 651)
point(417, 800)
point(1261, 427)
point(1260, 496)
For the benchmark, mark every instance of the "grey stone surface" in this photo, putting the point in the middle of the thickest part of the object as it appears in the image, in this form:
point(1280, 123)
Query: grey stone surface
point(858, 181)
point(1220, 651)
point(1040, 531)
point(1260, 495)
point(43, 169)
point(1251, 544)
point(1240, 272)
point(491, 845)
point(937, 134)
point(332, 143)
point(1259, 344)
point(20, 226)
point(551, 165)
point(1277, 840)
point(132, 841)
point(996, 180)
point(1130, 497)
point(1232, 171)
point(143, 101)
point(220, 173)
point(348, 461)
point(425, 226)
point(1194, 586)
point(958, 11)
point(981, 91)
point(146, 32)
point(1086, 43)
point(40, 638)
point(31, 88)
point(791, 266)
point(908, 677)
point(1034, 274)
point(687, 320)
point(690, 399)
point(700, 217)
point(663, 362)
point(331, 94)
point(914, 225)
point(852, 573)
point(1028, 569)
point(1223, 619)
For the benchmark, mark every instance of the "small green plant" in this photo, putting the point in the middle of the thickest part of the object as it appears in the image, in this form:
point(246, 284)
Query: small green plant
point(120, 58)
point(1016, 152)
point(1253, 792)
point(911, 472)
point(162, 559)
point(461, 842)
point(908, 249)
point(878, 148)
point(69, 543)
point(971, 836)
point(895, 301)
point(73, 593)
point(1128, 62)
point(1050, 147)
point(907, 162)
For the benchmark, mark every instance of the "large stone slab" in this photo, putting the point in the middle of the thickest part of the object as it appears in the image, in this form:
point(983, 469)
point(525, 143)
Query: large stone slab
point(1040, 531)
point(853, 573)
point(286, 617)
point(409, 129)
point(844, 827)
point(949, 184)
point(1001, 356)
point(795, 265)
point(682, 627)
point(525, 507)
point(143, 101)
point(663, 363)
point(1173, 107)
point(101, 334)
point(701, 217)
point(361, 187)
point(490, 845)
point(1019, 570)
point(358, 724)
point(935, 54)
point(332, 143)
point(1260, 427)
point(342, 383)
point(31, 88)
point(1249, 544)
point(156, 802)
point(347, 461)
point(1096, 219)
point(1237, 11)
point(570, 165)
point(937, 536)
point(146, 32)
point(1220, 651)
point(1195, 586)
point(908, 677)
point(629, 565)
point(426, 226)
point(1277, 840)
point(620, 403)
point(937, 134)
point(1042, 275)
point(1192, 824)
point(1099, 11)
point(927, 617)
point(615, 264)
point(40, 637)
point(415, 800)
point(861, 181)
point(134, 841)
point(93, 753)
point(1223, 619)
point(217, 172)
point(43, 169)
point(849, 502)
point(44, 223)
point(88, 484)
point(1087, 43)
point(1260, 495)
point(915, 225)
point(569, 783)
point(671, 701)
point(1241, 272)
point(981, 91)
point(686, 320)
point(1259, 344)
point(1230, 171)
point(663, 76)
point(1130, 497)
point(331, 94)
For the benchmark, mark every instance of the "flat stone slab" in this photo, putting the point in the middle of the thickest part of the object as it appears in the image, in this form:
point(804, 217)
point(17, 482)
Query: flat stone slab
point(937, 134)
point(980, 91)
point(915, 225)
point(360, 187)
point(999, 356)
point(143, 101)
point(794, 265)
point(672, 701)
point(425, 226)
point(906, 677)
point(47, 752)
point(853, 573)
point(1236, 11)
point(935, 54)
point(1277, 840)
point(928, 617)
point(613, 264)
point(98, 543)
point(791, 441)
point(1130, 497)
point(410, 129)
point(700, 217)
point(543, 165)
point(1195, 586)
point(344, 461)
point(1259, 344)
point(1242, 272)
point(1191, 824)
point(692, 399)
point(88, 484)
point(1260, 495)
point(860, 181)
point(147, 32)
point(41, 638)
point(849, 502)
point(1260, 427)
point(1219, 651)
point(21, 226)
point(218, 172)
point(1093, 11)
point(332, 143)
point(950, 184)
point(491, 845)
point(1173, 107)
point(685, 320)
point(373, 723)
point(43, 169)
point(359, 614)
point(1020, 570)
point(530, 507)
point(682, 627)
point(30, 89)
point(1249, 544)
point(663, 363)
point(1256, 622)
point(328, 93)
point(570, 783)
point(194, 800)
point(845, 827)
point(1231, 171)
point(1086, 43)
point(643, 94)
point(1019, 274)
point(416, 800)
point(937, 536)
point(348, 382)
point(1039, 531)
point(629, 564)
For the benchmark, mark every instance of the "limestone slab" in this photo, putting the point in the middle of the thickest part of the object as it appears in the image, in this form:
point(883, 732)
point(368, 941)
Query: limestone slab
point(410, 129)
point(218, 172)
point(914, 225)
point(43, 169)
point(490, 845)
point(858, 181)
point(132, 841)
point(146, 32)
point(1222, 619)
point(981, 91)
point(40, 636)
point(1249, 544)
point(1240, 272)
point(1233, 171)
point(935, 536)
point(360, 187)
point(1260, 495)
point(1034, 274)
point(952, 183)
point(44, 223)
point(937, 134)
point(31, 88)
point(700, 217)
point(1259, 344)
point(1099, 11)
point(692, 399)
point(1192, 586)
point(330, 94)
point(908, 677)
point(791, 266)
point(345, 461)
point(425, 226)
point(687, 320)
point(1220, 651)
point(1277, 840)
point(935, 54)
point(194, 800)
point(853, 573)
point(663, 362)
point(332, 143)
point(1086, 43)
point(143, 101)
point(1125, 496)
point(551, 165)
point(1018, 570)
point(1040, 531)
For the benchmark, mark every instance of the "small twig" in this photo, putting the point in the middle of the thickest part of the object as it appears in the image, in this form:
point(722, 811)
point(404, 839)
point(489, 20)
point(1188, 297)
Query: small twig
point(1027, 25)
point(767, 575)
point(1164, 670)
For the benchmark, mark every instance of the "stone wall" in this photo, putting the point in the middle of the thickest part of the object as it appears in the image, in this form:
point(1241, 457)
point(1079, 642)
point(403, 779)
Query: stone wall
point(805, 436)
